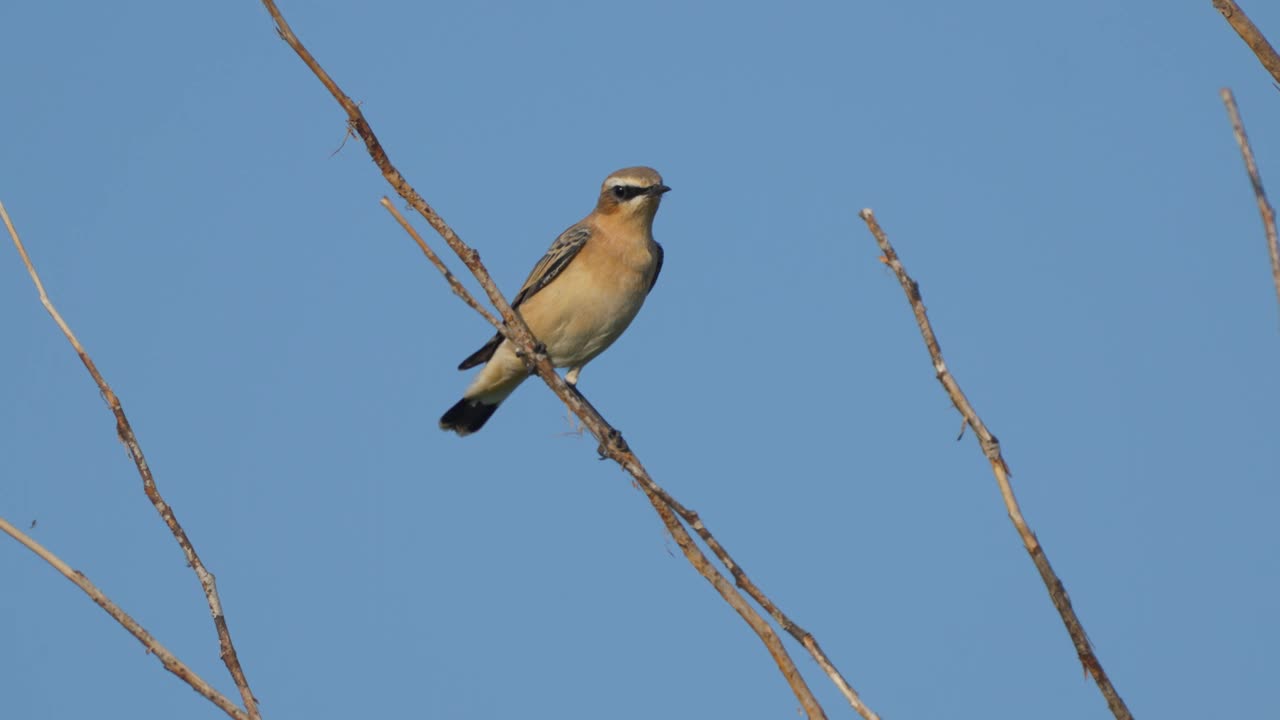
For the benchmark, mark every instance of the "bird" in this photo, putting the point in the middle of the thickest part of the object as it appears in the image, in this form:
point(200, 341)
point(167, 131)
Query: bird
point(580, 296)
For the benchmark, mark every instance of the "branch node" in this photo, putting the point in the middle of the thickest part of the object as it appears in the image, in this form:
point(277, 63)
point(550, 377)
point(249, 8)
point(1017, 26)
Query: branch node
point(1251, 35)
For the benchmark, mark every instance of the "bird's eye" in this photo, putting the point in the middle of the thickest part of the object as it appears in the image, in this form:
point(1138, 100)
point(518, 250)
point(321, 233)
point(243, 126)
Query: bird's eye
point(620, 192)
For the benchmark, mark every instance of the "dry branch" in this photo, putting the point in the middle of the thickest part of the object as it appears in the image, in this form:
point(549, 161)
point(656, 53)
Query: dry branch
point(991, 448)
point(454, 284)
point(125, 432)
point(611, 443)
point(1251, 167)
point(153, 646)
point(1251, 35)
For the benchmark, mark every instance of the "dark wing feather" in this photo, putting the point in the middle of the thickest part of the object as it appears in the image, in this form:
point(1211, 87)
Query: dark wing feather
point(482, 355)
point(558, 257)
point(658, 267)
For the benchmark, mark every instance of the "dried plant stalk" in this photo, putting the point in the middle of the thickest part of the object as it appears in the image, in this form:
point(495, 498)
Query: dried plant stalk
point(125, 432)
point(1264, 207)
point(991, 448)
point(1251, 35)
point(153, 646)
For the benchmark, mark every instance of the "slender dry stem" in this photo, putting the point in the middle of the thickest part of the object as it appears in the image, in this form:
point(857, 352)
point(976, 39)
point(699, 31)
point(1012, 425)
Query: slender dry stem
point(1251, 35)
point(457, 286)
point(991, 448)
point(1264, 207)
point(125, 432)
point(153, 646)
point(611, 443)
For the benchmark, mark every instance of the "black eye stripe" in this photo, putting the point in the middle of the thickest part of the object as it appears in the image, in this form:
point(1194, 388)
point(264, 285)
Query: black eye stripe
point(626, 192)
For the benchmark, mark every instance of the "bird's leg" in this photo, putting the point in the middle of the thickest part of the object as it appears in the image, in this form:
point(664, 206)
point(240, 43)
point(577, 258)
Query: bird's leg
point(571, 377)
point(614, 438)
point(539, 353)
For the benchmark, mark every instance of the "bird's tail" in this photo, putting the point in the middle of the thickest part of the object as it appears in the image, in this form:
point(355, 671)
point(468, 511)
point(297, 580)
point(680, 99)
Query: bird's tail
point(467, 416)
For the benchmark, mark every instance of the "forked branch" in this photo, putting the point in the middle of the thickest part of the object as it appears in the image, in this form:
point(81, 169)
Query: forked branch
point(991, 448)
point(125, 432)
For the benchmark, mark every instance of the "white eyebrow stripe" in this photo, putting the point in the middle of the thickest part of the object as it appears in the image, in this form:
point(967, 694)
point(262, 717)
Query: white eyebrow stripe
point(629, 180)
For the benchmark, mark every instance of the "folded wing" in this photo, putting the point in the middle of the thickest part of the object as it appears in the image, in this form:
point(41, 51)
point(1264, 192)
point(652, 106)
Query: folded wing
point(562, 252)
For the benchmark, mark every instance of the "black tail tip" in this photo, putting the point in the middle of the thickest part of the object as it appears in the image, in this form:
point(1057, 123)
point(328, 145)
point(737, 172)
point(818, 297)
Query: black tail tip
point(467, 416)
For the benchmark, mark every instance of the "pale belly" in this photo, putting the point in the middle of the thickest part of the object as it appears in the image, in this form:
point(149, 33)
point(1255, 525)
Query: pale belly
point(579, 319)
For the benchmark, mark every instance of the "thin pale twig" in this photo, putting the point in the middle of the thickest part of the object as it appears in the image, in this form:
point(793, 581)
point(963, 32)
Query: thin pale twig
point(1251, 35)
point(153, 646)
point(991, 448)
point(611, 443)
point(458, 288)
point(125, 432)
point(1264, 207)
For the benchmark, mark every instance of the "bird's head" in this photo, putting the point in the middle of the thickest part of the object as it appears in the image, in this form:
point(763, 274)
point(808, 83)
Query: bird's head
point(633, 192)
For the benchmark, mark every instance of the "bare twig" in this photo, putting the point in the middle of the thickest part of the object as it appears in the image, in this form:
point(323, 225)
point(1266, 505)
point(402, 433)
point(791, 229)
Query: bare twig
point(806, 639)
point(457, 286)
point(514, 329)
point(125, 432)
point(153, 646)
point(991, 448)
point(1264, 207)
point(1251, 35)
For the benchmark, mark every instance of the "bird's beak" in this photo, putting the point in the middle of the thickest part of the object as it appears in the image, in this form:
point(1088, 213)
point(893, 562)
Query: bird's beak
point(658, 190)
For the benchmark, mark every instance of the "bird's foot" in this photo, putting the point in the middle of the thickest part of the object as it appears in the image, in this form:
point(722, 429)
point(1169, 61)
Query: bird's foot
point(613, 439)
point(531, 359)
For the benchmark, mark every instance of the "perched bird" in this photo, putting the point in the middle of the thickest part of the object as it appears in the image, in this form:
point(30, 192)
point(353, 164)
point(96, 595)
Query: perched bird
point(580, 296)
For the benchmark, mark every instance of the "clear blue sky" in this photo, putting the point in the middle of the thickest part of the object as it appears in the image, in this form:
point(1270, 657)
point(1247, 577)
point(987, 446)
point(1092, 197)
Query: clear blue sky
point(1060, 178)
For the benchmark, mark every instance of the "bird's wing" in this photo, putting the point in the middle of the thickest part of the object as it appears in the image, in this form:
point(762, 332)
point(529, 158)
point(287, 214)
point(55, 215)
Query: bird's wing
point(658, 266)
point(482, 355)
point(561, 253)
